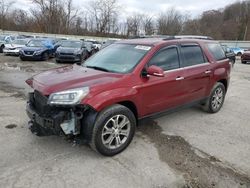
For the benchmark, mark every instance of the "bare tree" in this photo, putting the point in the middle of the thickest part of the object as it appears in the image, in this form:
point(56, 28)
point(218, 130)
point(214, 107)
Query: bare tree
point(134, 23)
point(4, 11)
point(170, 22)
point(191, 27)
point(71, 14)
point(211, 23)
point(104, 13)
point(148, 25)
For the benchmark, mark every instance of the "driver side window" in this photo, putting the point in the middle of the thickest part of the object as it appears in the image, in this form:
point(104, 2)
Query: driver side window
point(167, 59)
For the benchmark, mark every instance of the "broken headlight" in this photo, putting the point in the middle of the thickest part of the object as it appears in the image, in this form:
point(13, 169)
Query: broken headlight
point(68, 97)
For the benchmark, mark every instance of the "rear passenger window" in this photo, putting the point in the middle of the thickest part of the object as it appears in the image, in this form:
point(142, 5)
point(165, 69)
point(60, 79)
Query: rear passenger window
point(167, 59)
point(216, 50)
point(193, 55)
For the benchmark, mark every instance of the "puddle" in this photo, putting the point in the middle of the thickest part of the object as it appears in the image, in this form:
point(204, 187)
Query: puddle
point(16, 67)
point(11, 126)
point(198, 171)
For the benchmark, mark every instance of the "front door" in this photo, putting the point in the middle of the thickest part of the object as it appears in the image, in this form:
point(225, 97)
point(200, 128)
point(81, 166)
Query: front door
point(161, 93)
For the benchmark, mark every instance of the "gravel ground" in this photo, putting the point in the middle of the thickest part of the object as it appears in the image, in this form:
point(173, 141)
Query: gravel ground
point(188, 148)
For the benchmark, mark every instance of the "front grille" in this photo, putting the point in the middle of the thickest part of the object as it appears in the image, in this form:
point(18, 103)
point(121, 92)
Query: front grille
point(40, 103)
point(29, 52)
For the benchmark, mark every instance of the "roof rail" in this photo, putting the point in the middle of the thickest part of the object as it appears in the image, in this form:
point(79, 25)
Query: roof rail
point(193, 37)
point(172, 37)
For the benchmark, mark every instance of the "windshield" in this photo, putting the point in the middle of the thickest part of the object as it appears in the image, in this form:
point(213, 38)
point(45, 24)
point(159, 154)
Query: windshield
point(71, 44)
point(36, 43)
point(21, 42)
point(119, 58)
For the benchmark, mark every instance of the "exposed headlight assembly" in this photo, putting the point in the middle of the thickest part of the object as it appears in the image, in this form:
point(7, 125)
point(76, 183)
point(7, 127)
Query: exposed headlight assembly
point(68, 97)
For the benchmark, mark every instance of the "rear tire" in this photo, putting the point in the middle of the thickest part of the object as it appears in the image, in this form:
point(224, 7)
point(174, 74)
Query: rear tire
point(216, 99)
point(243, 62)
point(113, 130)
point(58, 61)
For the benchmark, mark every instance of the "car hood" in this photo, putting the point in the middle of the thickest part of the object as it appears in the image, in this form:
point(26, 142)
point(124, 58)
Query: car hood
point(33, 48)
point(67, 50)
point(70, 77)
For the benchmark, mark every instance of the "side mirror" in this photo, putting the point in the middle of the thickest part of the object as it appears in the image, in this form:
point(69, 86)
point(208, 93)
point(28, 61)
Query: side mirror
point(155, 71)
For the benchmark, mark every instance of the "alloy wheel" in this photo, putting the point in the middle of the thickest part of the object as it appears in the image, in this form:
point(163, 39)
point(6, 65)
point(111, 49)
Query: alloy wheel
point(217, 98)
point(116, 131)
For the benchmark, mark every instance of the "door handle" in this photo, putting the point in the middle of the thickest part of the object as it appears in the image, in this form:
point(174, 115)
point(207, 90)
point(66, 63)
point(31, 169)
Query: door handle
point(179, 78)
point(208, 71)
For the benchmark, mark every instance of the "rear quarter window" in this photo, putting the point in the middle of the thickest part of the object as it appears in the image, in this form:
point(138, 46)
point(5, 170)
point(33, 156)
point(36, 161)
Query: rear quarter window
point(217, 51)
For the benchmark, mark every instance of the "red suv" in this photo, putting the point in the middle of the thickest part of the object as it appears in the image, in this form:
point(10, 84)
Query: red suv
point(101, 100)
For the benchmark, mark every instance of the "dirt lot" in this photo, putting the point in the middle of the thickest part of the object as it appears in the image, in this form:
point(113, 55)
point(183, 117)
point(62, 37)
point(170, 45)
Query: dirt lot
point(188, 148)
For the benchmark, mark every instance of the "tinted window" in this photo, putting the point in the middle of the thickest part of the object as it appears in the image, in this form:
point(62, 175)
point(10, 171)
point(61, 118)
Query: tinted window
point(216, 50)
point(167, 59)
point(192, 55)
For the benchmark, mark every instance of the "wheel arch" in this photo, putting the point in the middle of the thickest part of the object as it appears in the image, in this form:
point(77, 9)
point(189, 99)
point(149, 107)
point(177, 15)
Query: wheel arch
point(224, 82)
point(131, 106)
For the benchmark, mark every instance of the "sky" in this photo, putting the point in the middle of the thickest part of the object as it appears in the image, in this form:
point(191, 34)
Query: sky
point(153, 7)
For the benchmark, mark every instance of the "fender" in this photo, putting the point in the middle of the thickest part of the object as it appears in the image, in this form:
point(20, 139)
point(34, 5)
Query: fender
point(107, 98)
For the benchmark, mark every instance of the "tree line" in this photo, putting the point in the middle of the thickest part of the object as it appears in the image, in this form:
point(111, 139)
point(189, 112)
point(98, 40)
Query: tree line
point(102, 18)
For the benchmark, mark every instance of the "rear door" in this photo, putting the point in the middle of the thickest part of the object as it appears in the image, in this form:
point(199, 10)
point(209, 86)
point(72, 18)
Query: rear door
point(197, 71)
point(160, 93)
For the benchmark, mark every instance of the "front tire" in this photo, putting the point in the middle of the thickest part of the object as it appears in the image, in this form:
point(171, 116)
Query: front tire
point(1, 49)
point(22, 58)
point(216, 98)
point(113, 130)
point(45, 56)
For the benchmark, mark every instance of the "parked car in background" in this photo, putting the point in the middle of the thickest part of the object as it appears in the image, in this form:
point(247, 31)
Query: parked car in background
point(38, 49)
point(71, 51)
point(245, 58)
point(107, 43)
point(237, 51)
point(90, 48)
point(101, 101)
point(15, 46)
point(95, 43)
point(4, 39)
point(229, 53)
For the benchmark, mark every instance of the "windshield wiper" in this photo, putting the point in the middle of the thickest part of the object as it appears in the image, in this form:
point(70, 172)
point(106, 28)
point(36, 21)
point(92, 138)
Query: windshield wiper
point(98, 68)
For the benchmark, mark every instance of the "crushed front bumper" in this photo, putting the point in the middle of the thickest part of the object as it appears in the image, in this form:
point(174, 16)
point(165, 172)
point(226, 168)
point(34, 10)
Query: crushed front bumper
point(46, 120)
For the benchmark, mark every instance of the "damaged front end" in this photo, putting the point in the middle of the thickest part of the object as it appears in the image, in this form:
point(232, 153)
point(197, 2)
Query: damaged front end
point(47, 119)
